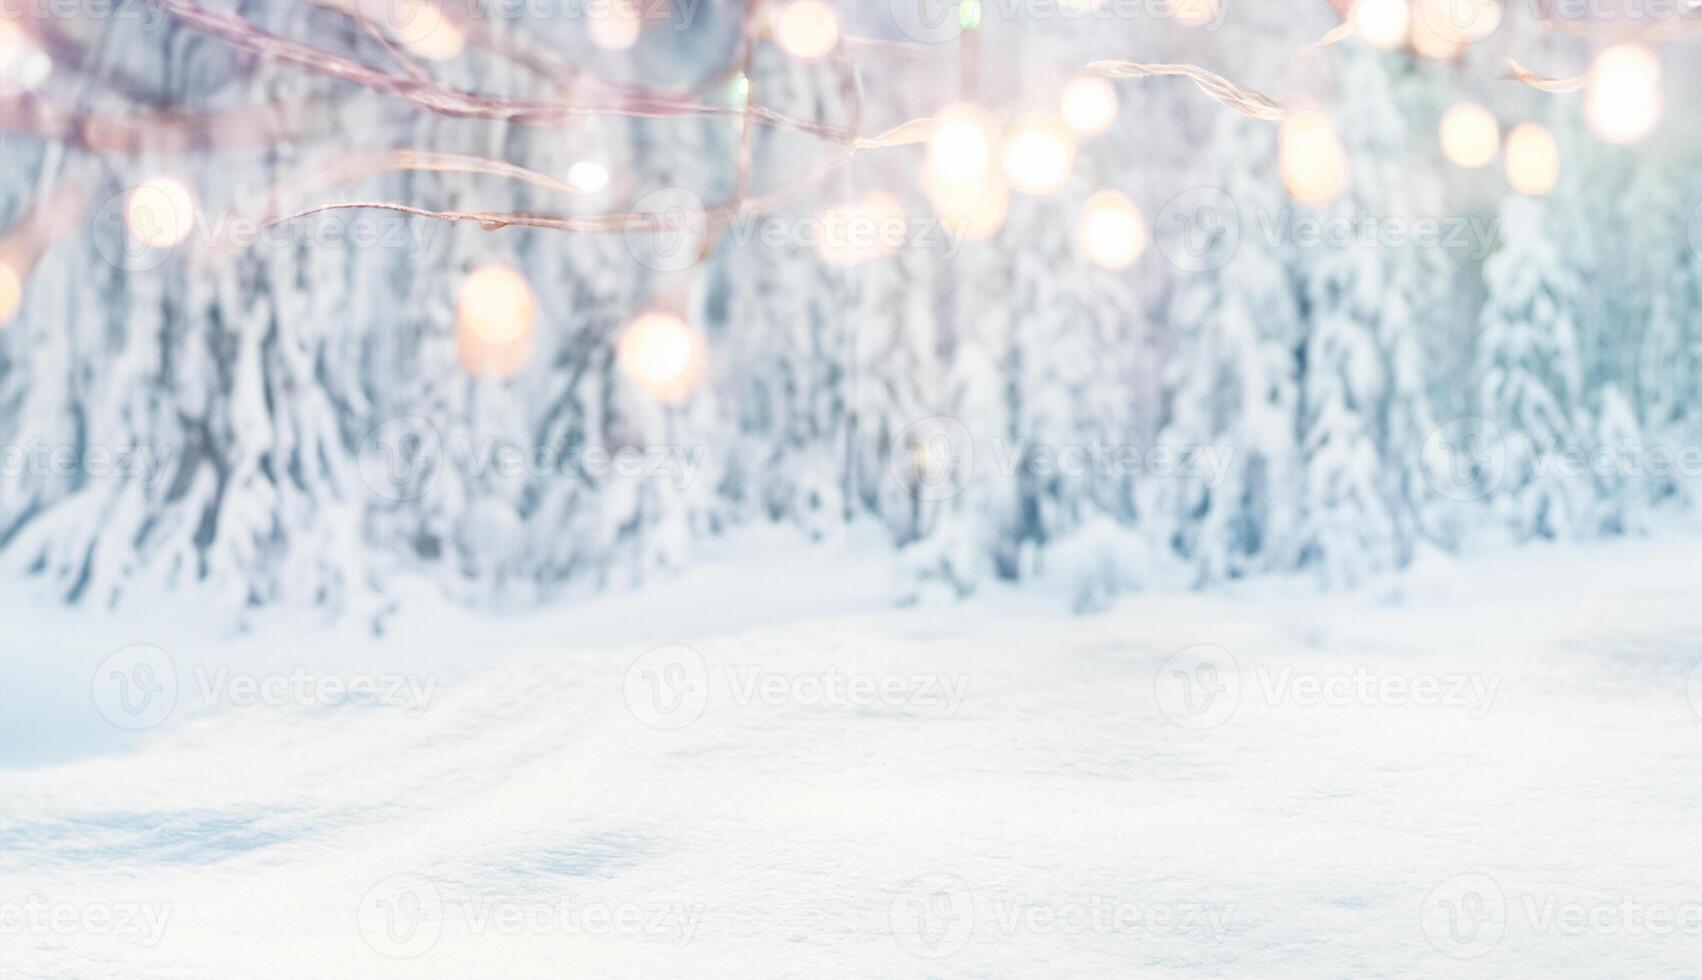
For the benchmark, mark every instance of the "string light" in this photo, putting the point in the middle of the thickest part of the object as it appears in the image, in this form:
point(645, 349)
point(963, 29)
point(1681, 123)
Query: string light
point(496, 320)
point(1111, 232)
point(1533, 161)
point(1089, 105)
point(1623, 98)
point(11, 292)
point(807, 29)
point(614, 26)
point(1381, 23)
point(972, 211)
point(24, 66)
point(1314, 162)
point(160, 212)
point(962, 145)
point(1040, 152)
point(588, 177)
point(1470, 135)
point(664, 355)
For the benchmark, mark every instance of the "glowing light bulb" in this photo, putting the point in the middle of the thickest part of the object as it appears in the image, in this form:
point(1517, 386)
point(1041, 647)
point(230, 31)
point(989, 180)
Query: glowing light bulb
point(807, 29)
point(1623, 98)
point(24, 66)
point(1039, 155)
point(160, 212)
point(420, 25)
point(962, 146)
point(496, 320)
point(1533, 160)
point(1314, 162)
point(11, 292)
point(1111, 232)
point(664, 355)
point(588, 177)
point(1470, 135)
point(1430, 42)
point(871, 228)
point(615, 27)
point(1382, 23)
point(1090, 105)
point(440, 43)
point(971, 212)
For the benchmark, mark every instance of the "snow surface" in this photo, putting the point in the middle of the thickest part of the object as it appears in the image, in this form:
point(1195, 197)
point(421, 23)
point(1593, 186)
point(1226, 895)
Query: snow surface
point(1058, 820)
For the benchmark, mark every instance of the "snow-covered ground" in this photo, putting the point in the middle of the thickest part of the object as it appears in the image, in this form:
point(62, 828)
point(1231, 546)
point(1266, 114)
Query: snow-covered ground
point(764, 769)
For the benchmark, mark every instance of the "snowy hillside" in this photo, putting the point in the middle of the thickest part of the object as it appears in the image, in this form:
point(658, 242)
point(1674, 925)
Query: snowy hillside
point(1466, 770)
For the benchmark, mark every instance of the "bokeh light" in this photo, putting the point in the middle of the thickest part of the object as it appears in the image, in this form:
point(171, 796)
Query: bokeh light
point(663, 355)
point(962, 146)
point(873, 227)
point(807, 29)
point(24, 66)
point(1314, 162)
point(1089, 105)
point(588, 177)
point(1623, 98)
point(496, 322)
point(614, 26)
point(160, 212)
point(1111, 232)
point(1040, 153)
point(11, 292)
point(1381, 23)
point(1533, 160)
point(1470, 135)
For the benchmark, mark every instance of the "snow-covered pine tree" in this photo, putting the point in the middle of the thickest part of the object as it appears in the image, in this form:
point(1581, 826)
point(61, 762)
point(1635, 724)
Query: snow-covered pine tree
point(1530, 376)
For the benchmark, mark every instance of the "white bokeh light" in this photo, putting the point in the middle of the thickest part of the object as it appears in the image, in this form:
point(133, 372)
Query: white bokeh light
point(1040, 154)
point(1314, 162)
point(1111, 232)
point(1623, 97)
point(1470, 135)
point(1089, 105)
point(1381, 23)
point(160, 212)
point(806, 29)
point(664, 355)
point(1533, 160)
